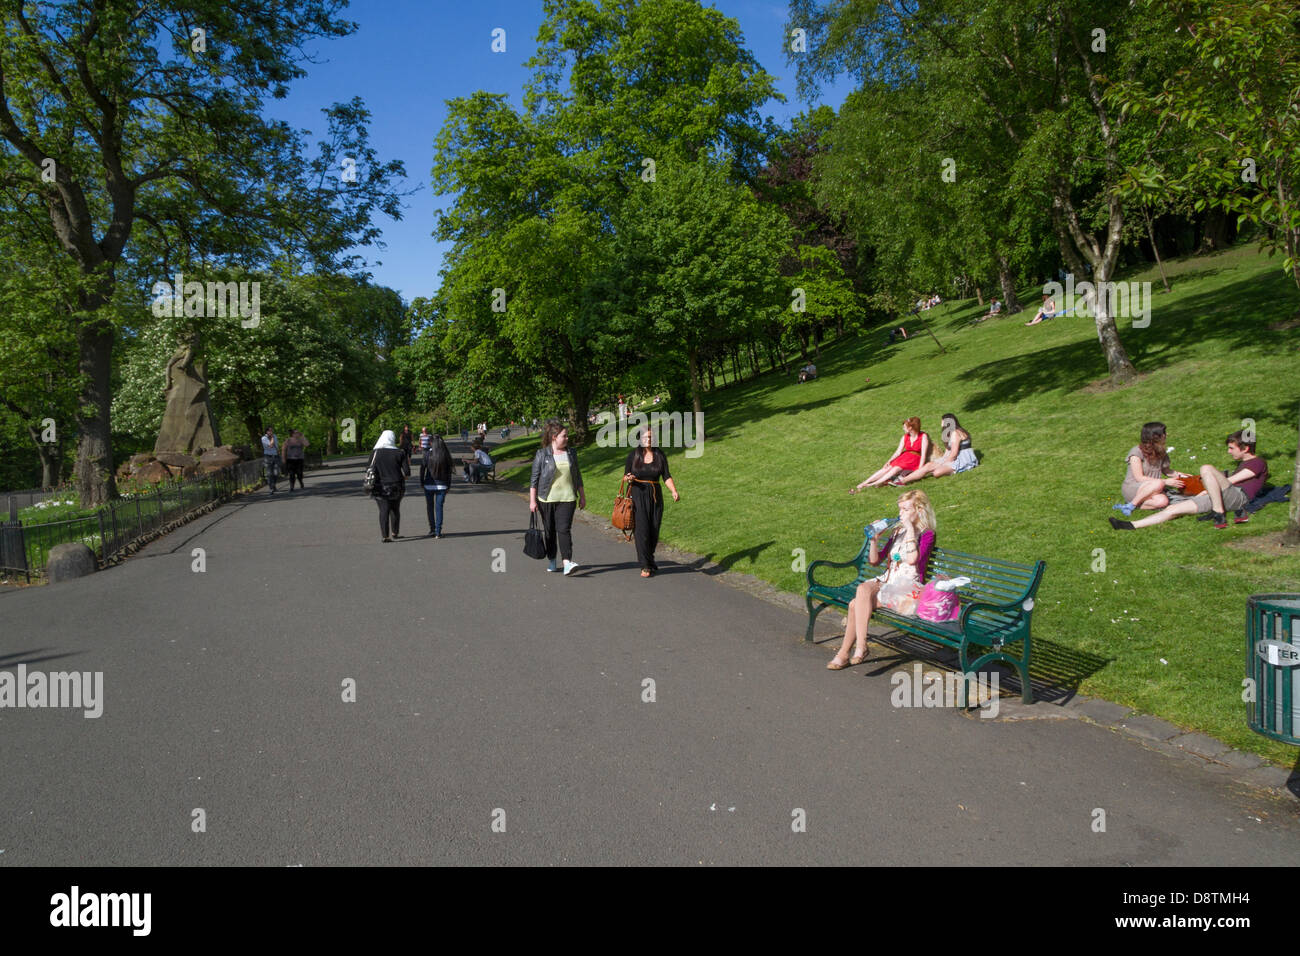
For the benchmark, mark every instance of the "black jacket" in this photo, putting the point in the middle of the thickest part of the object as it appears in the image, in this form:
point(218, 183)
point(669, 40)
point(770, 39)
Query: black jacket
point(390, 465)
point(544, 471)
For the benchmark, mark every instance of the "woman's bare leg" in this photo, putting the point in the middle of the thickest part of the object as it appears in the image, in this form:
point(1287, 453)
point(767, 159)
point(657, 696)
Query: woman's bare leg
point(927, 469)
point(1146, 490)
point(866, 601)
point(841, 656)
point(884, 477)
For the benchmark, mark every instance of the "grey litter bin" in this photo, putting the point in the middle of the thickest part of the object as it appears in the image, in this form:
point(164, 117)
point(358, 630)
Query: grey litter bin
point(1273, 663)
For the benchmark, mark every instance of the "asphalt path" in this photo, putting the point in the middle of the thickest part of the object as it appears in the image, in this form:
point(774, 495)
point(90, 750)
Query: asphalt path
point(519, 699)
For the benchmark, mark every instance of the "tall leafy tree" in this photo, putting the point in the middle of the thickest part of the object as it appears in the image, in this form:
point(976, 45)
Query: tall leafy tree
point(701, 258)
point(128, 118)
point(1034, 71)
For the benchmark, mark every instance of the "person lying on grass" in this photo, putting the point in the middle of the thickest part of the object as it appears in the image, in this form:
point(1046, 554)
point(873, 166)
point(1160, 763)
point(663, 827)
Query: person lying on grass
point(913, 448)
point(899, 588)
point(958, 457)
point(1149, 476)
point(1222, 492)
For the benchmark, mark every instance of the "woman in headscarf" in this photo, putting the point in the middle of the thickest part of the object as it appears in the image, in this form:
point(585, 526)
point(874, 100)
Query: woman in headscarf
point(390, 466)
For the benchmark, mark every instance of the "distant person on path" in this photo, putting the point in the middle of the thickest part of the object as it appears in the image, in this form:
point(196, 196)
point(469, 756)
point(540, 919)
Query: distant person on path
point(1223, 493)
point(479, 464)
point(1148, 478)
point(556, 487)
point(295, 449)
point(271, 457)
point(1046, 312)
point(464, 435)
point(644, 467)
point(425, 438)
point(899, 588)
point(435, 478)
point(913, 449)
point(957, 458)
point(391, 468)
point(407, 444)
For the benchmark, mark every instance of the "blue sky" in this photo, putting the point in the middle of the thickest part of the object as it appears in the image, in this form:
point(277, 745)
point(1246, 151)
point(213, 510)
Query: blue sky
point(409, 57)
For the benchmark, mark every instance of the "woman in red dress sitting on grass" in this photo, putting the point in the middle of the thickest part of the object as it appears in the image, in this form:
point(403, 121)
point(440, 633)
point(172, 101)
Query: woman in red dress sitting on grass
point(913, 449)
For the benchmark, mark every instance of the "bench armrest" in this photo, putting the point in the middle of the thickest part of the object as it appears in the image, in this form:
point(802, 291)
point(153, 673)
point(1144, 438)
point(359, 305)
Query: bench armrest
point(832, 564)
point(1023, 605)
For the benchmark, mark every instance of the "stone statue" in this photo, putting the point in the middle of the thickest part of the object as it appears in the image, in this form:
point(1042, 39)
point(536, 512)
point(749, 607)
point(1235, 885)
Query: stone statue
point(187, 427)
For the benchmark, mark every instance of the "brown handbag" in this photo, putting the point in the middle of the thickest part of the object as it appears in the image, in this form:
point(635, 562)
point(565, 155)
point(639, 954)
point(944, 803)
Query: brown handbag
point(623, 518)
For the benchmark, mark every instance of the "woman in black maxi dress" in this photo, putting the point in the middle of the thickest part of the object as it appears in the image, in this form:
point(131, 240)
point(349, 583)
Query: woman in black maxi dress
point(646, 465)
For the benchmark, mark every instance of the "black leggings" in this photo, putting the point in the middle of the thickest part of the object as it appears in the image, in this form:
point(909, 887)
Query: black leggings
point(557, 526)
point(390, 515)
point(648, 508)
point(294, 468)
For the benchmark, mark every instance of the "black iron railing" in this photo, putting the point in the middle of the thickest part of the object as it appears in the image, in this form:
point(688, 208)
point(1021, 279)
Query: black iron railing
point(110, 530)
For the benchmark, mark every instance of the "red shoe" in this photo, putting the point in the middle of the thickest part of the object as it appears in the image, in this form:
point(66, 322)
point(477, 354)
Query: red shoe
point(1242, 518)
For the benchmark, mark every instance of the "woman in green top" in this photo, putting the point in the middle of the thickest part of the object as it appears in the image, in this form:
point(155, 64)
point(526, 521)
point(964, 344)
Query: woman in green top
point(556, 485)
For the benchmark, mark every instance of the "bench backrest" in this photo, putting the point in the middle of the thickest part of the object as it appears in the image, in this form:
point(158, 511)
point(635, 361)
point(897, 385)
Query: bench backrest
point(994, 581)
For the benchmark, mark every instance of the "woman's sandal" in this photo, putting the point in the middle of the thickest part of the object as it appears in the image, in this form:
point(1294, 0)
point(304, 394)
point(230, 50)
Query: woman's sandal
point(645, 573)
point(858, 658)
point(836, 664)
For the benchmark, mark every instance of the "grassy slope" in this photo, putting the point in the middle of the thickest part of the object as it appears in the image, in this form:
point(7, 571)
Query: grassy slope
point(780, 458)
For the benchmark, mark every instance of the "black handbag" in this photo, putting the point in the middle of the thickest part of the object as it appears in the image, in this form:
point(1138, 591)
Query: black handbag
point(534, 540)
point(368, 483)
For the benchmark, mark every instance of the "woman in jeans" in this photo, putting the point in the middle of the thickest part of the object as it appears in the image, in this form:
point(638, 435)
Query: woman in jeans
point(435, 477)
point(390, 466)
point(556, 486)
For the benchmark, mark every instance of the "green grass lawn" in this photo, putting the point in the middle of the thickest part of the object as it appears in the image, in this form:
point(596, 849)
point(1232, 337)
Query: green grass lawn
point(1161, 629)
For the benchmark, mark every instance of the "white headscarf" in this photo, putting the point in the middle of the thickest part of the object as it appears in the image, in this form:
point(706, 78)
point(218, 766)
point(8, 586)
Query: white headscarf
point(387, 440)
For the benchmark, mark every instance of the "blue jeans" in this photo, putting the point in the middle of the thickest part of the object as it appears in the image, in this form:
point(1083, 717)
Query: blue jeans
point(433, 505)
point(272, 465)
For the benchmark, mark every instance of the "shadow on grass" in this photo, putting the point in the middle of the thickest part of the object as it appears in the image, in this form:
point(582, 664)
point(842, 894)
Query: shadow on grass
point(1230, 315)
point(718, 565)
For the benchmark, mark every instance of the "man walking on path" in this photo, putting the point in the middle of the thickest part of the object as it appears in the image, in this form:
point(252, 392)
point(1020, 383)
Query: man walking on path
point(295, 448)
point(271, 457)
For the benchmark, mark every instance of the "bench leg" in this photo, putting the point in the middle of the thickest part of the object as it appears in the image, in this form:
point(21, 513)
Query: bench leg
point(1021, 665)
point(812, 617)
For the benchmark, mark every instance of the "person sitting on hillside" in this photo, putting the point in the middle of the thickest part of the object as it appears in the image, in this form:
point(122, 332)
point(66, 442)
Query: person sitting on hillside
point(1149, 478)
point(1223, 492)
point(808, 372)
point(957, 458)
point(1047, 311)
point(897, 333)
point(994, 308)
point(913, 449)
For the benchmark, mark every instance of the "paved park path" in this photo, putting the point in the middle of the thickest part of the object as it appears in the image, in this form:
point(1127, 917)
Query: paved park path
point(517, 696)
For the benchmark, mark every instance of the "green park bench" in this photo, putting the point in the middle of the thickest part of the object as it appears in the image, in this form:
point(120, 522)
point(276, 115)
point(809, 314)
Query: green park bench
point(996, 607)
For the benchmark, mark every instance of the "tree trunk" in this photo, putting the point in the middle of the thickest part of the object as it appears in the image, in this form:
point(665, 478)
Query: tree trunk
point(1291, 536)
point(1155, 250)
point(94, 471)
point(253, 422)
point(979, 296)
point(1010, 301)
point(1117, 360)
point(803, 346)
point(581, 408)
point(735, 363)
point(693, 363)
point(332, 437)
